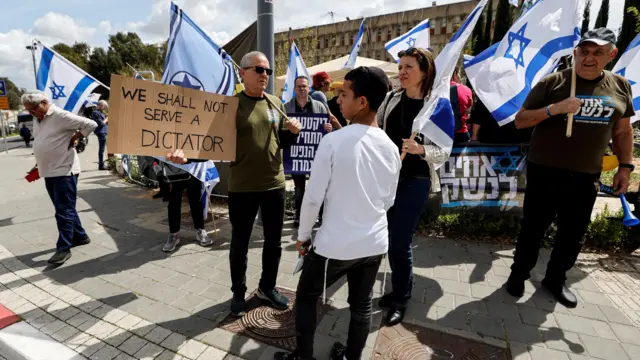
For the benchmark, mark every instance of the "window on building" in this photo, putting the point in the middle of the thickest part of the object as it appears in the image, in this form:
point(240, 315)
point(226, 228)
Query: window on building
point(326, 42)
point(379, 35)
point(444, 26)
point(398, 30)
point(341, 39)
point(389, 33)
point(432, 31)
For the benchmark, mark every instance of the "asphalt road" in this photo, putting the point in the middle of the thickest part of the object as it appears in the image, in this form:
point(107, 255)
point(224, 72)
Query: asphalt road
point(12, 143)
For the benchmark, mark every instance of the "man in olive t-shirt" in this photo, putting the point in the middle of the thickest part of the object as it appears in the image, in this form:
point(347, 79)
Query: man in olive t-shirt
point(256, 180)
point(563, 172)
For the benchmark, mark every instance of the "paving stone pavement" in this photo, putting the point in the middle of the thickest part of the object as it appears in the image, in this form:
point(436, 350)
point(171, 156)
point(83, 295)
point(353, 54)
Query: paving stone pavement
point(121, 297)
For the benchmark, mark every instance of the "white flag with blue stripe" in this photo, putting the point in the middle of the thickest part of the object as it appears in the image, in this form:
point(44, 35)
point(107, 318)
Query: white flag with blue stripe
point(629, 66)
point(353, 56)
point(193, 60)
point(65, 84)
point(295, 68)
point(503, 74)
point(418, 37)
point(436, 120)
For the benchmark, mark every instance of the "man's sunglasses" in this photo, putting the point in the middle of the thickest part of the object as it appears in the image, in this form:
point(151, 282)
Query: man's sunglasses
point(260, 70)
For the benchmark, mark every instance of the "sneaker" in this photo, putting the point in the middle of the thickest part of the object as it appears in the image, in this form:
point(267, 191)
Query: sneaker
point(203, 238)
point(238, 305)
point(515, 286)
point(338, 351)
point(171, 243)
point(81, 242)
point(275, 299)
point(60, 257)
point(281, 355)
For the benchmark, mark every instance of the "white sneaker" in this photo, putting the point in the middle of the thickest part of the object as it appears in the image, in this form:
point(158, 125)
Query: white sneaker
point(203, 238)
point(171, 243)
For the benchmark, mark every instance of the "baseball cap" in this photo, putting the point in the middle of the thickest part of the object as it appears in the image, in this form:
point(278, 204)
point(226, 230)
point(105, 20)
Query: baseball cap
point(601, 36)
point(321, 77)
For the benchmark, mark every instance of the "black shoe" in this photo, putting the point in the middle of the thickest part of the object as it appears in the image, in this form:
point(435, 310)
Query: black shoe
point(561, 292)
point(60, 257)
point(102, 168)
point(515, 286)
point(395, 315)
point(238, 305)
point(296, 223)
point(158, 195)
point(337, 351)
point(81, 242)
point(281, 355)
point(274, 298)
point(385, 301)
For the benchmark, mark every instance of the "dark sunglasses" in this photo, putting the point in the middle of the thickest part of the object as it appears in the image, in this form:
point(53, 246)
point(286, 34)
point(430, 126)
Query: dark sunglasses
point(260, 70)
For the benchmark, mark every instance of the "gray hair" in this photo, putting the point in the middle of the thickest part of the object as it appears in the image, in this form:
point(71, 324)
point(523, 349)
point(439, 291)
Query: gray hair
point(34, 97)
point(246, 60)
point(104, 103)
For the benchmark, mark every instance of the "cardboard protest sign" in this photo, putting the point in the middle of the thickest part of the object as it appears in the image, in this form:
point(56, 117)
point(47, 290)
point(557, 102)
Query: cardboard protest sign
point(299, 157)
point(147, 118)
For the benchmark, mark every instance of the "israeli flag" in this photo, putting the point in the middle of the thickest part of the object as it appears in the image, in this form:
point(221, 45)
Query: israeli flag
point(418, 37)
point(92, 100)
point(514, 2)
point(193, 60)
point(353, 56)
point(503, 74)
point(436, 120)
point(65, 84)
point(625, 67)
point(295, 68)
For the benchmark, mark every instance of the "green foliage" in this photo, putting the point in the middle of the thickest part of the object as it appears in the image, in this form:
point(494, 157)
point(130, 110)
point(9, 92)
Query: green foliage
point(634, 11)
point(603, 15)
point(586, 17)
point(13, 93)
point(307, 43)
point(504, 20)
point(485, 40)
point(477, 34)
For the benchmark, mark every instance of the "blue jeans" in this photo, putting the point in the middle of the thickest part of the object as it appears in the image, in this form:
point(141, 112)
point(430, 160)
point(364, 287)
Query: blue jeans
point(102, 144)
point(411, 201)
point(62, 191)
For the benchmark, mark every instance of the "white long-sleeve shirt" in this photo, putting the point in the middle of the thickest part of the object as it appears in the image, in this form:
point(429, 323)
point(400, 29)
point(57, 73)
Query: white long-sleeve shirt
point(355, 173)
point(52, 136)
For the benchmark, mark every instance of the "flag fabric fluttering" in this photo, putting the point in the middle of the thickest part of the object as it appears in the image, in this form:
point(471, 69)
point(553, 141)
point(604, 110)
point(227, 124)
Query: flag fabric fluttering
point(92, 100)
point(418, 37)
point(195, 61)
point(436, 120)
point(295, 68)
point(65, 84)
point(503, 74)
point(353, 56)
point(625, 67)
point(514, 2)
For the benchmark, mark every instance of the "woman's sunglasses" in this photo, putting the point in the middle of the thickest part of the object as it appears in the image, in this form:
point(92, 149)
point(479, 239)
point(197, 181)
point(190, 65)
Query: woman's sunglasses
point(260, 70)
point(409, 52)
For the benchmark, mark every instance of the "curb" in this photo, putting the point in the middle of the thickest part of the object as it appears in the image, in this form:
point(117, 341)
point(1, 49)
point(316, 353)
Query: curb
point(22, 341)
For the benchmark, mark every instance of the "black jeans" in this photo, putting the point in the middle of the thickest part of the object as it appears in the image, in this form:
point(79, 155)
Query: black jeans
point(551, 193)
point(361, 276)
point(300, 185)
point(193, 187)
point(102, 145)
point(243, 208)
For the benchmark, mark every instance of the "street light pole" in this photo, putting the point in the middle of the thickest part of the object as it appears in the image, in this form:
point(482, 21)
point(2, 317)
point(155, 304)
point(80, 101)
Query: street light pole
point(265, 35)
point(33, 56)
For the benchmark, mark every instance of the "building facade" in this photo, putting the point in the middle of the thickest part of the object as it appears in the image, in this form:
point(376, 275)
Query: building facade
point(336, 39)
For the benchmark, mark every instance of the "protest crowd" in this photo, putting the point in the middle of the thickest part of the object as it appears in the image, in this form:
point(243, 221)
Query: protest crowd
point(363, 184)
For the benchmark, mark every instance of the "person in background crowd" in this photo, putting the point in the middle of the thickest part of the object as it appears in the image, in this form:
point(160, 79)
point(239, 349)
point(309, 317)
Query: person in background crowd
point(321, 85)
point(355, 174)
point(101, 131)
point(303, 103)
point(26, 135)
point(563, 172)
point(417, 176)
point(55, 133)
point(333, 105)
point(461, 102)
point(487, 130)
point(194, 193)
point(256, 180)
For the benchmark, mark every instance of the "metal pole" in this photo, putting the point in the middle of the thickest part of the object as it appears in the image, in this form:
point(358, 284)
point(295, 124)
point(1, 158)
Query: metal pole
point(33, 56)
point(265, 35)
point(4, 132)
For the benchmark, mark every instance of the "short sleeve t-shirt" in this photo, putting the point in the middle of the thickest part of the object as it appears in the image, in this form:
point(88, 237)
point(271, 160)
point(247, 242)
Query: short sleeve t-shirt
point(605, 100)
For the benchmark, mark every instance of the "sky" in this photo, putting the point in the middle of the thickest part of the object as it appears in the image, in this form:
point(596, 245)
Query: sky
point(53, 21)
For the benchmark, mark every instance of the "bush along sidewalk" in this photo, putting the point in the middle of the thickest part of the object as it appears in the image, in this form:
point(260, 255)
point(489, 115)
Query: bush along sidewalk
point(605, 232)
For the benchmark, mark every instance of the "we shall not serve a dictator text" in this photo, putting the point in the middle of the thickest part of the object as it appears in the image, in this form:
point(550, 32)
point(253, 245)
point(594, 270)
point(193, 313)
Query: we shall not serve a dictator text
point(148, 118)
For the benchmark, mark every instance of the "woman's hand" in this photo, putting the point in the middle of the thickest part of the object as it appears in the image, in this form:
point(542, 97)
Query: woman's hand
point(412, 147)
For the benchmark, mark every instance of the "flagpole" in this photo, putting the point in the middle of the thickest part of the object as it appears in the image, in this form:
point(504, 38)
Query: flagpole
point(573, 94)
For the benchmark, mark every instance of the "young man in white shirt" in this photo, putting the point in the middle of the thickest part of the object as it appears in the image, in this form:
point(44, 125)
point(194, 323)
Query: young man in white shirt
point(355, 173)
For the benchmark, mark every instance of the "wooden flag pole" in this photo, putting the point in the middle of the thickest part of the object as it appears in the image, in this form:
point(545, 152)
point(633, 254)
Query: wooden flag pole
point(404, 152)
point(573, 94)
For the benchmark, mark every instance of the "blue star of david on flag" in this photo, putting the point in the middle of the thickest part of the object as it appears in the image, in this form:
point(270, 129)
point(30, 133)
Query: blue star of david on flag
point(510, 160)
point(411, 42)
point(524, 42)
point(622, 72)
point(57, 91)
point(186, 83)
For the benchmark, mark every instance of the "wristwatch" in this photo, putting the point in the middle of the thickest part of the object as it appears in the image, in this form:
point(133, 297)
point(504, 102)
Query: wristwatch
point(631, 167)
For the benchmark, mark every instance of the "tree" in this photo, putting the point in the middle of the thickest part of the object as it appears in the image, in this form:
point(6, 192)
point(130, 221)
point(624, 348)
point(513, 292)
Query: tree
point(77, 54)
point(307, 43)
point(13, 93)
point(505, 20)
point(586, 17)
point(485, 41)
point(477, 35)
point(629, 28)
point(603, 15)
point(634, 11)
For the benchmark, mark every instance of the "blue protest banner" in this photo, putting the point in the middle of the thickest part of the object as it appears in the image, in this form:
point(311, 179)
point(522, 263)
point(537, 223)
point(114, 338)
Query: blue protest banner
point(299, 157)
point(3, 88)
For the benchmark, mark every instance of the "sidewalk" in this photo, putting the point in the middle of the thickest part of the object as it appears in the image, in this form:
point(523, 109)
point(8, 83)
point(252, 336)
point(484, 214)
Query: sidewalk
point(121, 297)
